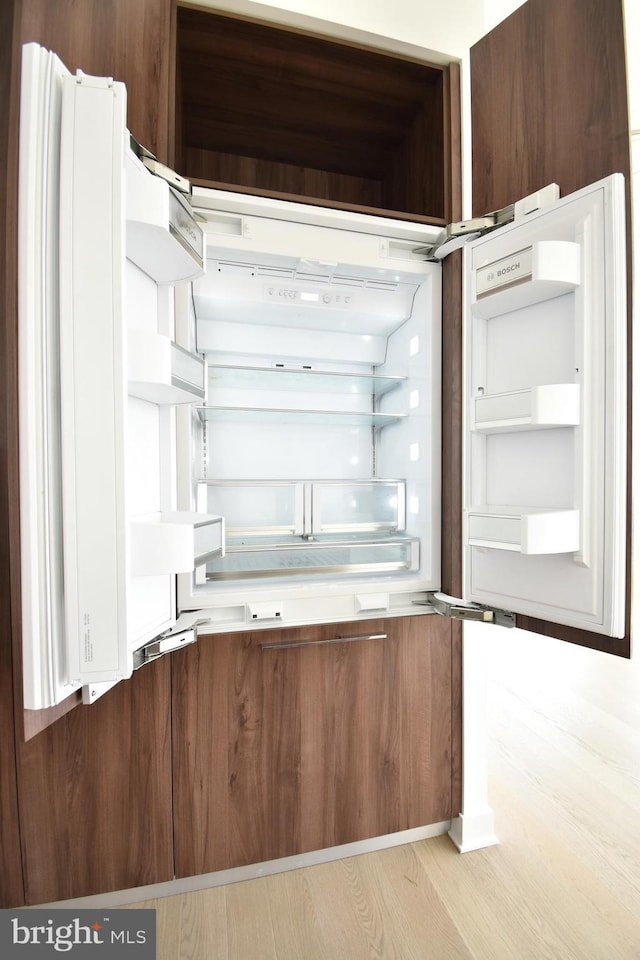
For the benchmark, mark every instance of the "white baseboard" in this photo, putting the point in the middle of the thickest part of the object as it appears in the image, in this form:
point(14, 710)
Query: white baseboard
point(473, 832)
point(171, 888)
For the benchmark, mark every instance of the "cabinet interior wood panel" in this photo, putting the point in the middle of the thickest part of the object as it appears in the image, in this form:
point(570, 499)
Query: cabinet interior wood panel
point(561, 118)
point(11, 884)
point(95, 794)
point(283, 178)
point(282, 751)
point(277, 109)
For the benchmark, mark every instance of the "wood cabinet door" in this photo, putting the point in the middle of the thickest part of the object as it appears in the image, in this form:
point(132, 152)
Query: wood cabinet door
point(282, 747)
point(549, 104)
point(95, 794)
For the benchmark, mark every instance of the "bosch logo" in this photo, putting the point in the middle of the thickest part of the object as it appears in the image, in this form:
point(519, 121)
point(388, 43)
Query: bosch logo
point(509, 269)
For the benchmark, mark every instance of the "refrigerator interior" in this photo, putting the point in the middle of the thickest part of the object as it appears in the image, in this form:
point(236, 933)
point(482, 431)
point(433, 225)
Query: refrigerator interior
point(319, 442)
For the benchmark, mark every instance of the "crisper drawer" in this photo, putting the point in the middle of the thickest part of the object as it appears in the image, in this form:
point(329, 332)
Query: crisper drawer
point(368, 505)
point(273, 557)
point(257, 508)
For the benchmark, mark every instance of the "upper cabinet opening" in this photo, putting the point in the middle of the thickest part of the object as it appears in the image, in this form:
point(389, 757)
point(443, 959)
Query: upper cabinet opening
point(278, 112)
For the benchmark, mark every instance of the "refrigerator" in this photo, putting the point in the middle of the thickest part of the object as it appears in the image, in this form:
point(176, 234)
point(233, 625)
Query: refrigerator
point(231, 406)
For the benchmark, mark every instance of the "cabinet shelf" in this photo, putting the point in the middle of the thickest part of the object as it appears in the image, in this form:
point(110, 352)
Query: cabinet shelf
point(542, 271)
point(535, 408)
point(332, 418)
point(527, 530)
point(260, 378)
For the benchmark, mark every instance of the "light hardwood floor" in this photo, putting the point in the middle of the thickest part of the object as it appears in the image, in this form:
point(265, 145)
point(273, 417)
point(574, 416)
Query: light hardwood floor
point(564, 883)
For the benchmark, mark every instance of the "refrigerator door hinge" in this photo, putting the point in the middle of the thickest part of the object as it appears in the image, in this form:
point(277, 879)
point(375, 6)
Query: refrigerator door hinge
point(181, 633)
point(457, 609)
point(455, 235)
point(161, 170)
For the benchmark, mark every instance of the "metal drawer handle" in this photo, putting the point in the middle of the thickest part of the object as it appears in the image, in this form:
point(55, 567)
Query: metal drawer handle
point(288, 645)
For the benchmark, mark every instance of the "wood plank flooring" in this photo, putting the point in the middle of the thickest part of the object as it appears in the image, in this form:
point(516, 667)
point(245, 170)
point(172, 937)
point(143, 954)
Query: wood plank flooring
point(564, 883)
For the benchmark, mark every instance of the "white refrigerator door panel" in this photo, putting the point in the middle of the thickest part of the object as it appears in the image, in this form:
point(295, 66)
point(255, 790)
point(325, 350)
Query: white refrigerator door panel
point(92, 255)
point(94, 457)
point(545, 409)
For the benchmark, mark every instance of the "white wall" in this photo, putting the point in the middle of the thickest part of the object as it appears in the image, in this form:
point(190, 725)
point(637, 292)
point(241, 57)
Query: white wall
point(419, 24)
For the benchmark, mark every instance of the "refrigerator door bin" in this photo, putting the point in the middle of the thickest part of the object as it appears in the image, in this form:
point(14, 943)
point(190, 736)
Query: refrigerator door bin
point(542, 271)
point(525, 531)
point(174, 542)
point(548, 405)
point(162, 372)
point(163, 238)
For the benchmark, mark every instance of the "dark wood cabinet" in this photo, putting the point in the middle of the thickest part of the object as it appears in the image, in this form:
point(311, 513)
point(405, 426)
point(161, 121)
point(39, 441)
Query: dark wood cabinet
point(287, 741)
point(282, 112)
point(95, 794)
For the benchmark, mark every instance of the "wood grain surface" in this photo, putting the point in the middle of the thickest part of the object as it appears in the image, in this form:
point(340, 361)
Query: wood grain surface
point(277, 752)
point(129, 41)
point(277, 109)
point(95, 794)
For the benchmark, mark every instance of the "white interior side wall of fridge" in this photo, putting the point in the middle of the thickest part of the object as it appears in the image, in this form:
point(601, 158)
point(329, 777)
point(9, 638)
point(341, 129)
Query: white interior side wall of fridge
point(416, 442)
